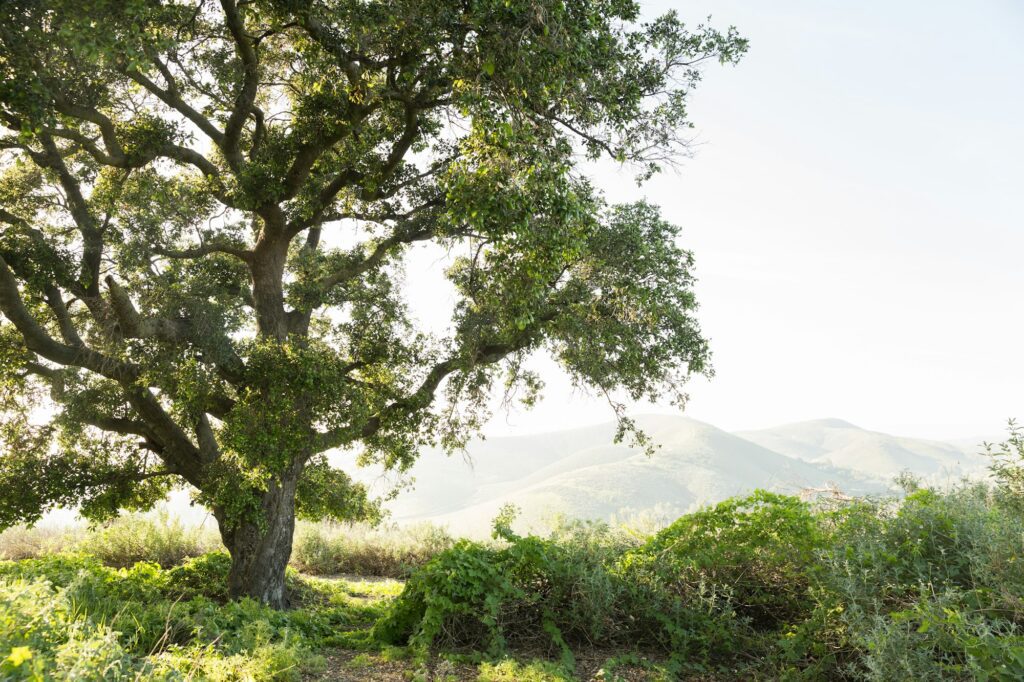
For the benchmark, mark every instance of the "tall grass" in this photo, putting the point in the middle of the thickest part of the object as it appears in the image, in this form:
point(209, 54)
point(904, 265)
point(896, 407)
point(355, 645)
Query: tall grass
point(22, 542)
point(358, 549)
point(158, 537)
point(319, 549)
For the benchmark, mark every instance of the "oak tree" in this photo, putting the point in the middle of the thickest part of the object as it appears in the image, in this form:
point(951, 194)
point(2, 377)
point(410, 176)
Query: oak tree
point(205, 207)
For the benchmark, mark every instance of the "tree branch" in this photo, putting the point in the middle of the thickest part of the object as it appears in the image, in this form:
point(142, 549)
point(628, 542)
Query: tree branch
point(180, 452)
point(106, 126)
point(350, 177)
point(167, 150)
point(425, 394)
point(39, 341)
point(92, 235)
point(204, 250)
point(126, 427)
point(413, 232)
point(247, 93)
point(177, 331)
point(298, 320)
point(55, 300)
point(174, 101)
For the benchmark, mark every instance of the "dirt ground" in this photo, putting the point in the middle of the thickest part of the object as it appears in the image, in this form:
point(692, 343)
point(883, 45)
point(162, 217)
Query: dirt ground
point(351, 666)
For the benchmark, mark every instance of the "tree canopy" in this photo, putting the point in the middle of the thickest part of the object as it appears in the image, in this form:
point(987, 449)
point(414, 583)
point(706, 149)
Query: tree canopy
point(205, 208)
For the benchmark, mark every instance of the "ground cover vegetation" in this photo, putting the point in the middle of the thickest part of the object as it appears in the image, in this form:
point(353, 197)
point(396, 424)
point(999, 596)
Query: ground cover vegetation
point(206, 207)
point(768, 586)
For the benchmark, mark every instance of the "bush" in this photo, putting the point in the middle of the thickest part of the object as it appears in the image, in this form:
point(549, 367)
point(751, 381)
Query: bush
point(756, 552)
point(927, 588)
point(203, 576)
point(938, 636)
point(1007, 466)
point(528, 591)
point(880, 556)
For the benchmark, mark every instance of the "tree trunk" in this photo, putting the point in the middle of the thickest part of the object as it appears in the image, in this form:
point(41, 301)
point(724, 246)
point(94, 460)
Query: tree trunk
point(260, 552)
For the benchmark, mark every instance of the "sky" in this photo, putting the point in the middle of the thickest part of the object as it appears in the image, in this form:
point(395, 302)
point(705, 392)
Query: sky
point(855, 205)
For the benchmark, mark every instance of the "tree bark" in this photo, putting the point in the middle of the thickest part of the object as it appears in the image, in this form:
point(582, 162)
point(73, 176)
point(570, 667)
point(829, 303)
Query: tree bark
point(260, 549)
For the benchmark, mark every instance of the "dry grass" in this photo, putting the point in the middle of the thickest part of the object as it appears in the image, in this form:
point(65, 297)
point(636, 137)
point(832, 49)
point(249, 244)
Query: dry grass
point(320, 548)
point(21, 542)
point(332, 549)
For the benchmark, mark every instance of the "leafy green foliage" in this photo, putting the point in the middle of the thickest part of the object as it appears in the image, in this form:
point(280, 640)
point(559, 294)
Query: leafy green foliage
point(1008, 466)
point(756, 550)
point(70, 617)
point(79, 620)
point(528, 591)
point(513, 671)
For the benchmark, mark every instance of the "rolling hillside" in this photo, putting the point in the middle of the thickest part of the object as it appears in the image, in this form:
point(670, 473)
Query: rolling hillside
point(838, 443)
point(581, 473)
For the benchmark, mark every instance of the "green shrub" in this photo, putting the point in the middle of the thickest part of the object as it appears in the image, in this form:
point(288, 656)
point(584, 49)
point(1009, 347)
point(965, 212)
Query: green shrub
point(757, 552)
point(881, 554)
point(725, 579)
point(202, 576)
point(927, 587)
point(527, 591)
point(939, 636)
point(1007, 466)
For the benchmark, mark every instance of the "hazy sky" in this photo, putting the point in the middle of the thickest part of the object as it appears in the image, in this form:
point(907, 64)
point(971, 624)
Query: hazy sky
point(855, 206)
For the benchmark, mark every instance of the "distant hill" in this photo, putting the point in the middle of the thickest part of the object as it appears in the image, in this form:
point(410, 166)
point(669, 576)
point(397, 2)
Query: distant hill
point(841, 444)
point(581, 473)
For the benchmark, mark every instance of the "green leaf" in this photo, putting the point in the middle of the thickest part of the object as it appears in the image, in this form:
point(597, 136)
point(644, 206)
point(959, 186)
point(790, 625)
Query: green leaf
point(19, 655)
